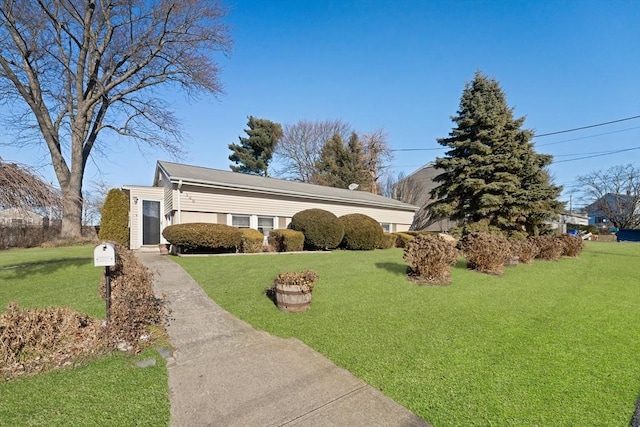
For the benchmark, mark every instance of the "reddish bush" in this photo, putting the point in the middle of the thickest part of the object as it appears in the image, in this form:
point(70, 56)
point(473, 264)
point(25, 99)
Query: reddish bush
point(134, 306)
point(485, 253)
point(35, 339)
point(549, 247)
point(572, 245)
point(429, 259)
point(305, 280)
point(526, 251)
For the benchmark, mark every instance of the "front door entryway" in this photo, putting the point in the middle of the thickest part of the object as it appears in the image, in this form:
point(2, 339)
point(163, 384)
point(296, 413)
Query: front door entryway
point(150, 222)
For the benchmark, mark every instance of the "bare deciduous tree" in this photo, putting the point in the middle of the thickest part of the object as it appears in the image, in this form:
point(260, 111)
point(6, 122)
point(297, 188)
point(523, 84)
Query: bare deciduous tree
point(614, 194)
point(21, 188)
point(378, 156)
point(89, 66)
point(299, 148)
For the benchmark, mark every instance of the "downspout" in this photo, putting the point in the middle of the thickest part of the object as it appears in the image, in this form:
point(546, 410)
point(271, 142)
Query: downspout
point(179, 206)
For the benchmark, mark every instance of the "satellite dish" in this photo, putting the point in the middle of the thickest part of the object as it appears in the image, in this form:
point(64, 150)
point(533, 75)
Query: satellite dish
point(353, 186)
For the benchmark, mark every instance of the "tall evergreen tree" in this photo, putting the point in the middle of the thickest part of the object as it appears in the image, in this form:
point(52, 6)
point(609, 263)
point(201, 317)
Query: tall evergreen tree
point(254, 153)
point(492, 171)
point(341, 165)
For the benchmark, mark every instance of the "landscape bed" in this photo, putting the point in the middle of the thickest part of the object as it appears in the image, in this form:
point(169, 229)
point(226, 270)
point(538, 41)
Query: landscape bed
point(552, 343)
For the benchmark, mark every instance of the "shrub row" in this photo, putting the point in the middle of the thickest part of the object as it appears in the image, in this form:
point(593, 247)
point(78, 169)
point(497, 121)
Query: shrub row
point(429, 259)
point(200, 235)
point(361, 232)
point(286, 240)
point(134, 306)
point(322, 230)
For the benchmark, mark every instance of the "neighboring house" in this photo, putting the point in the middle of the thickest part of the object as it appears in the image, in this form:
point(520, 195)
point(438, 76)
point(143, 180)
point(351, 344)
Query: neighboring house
point(414, 189)
point(19, 217)
point(183, 194)
point(574, 218)
point(619, 210)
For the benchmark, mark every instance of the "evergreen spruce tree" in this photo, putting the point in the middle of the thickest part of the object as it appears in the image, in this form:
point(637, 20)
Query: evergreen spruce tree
point(341, 165)
point(254, 153)
point(491, 172)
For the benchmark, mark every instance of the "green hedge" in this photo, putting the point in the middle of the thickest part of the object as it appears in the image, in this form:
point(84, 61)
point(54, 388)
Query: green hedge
point(252, 241)
point(201, 235)
point(402, 239)
point(322, 229)
point(286, 240)
point(361, 232)
point(114, 222)
point(388, 241)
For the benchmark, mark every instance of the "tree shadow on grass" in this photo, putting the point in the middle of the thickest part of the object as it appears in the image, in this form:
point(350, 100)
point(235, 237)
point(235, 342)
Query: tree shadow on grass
point(393, 267)
point(44, 267)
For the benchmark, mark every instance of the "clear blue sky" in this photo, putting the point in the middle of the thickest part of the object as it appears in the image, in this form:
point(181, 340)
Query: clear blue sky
point(401, 65)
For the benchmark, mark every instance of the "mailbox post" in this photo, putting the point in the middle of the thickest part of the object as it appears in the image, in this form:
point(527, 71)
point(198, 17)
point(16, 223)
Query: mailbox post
point(104, 255)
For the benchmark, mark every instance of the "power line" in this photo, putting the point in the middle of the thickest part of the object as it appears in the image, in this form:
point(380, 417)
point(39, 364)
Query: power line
point(419, 149)
point(586, 137)
point(597, 155)
point(587, 127)
point(552, 133)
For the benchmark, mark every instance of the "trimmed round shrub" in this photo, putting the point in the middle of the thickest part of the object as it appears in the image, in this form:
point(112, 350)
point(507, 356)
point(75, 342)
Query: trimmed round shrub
point(114, 222)
point(526, 251)
point(388, 241)
point(485, 253)
point(285, 240)
point(549, 247)
point(322, 230)
point(429, 259)
point(202, 235)
point(361, 232)
point(572, 245)
point(402, 239)
point(252, 241)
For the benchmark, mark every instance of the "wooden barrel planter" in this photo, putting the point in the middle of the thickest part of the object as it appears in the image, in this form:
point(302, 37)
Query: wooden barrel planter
point(292, 298)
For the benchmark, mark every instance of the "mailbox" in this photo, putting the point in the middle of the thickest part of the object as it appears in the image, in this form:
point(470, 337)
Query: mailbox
point(104, 255)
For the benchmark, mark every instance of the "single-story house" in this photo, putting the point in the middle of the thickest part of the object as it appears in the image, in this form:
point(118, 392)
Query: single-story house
point(566, 217)
point(183, 194)
point(20, 217)
point(415, 189)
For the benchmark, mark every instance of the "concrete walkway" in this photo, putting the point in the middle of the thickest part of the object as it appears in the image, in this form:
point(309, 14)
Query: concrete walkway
point(225, 373)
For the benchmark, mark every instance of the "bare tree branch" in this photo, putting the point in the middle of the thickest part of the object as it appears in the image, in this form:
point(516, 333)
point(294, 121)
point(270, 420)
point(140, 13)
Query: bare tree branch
point(91, 66)
point(613, 194)
point(22, 188)
point(299, 149)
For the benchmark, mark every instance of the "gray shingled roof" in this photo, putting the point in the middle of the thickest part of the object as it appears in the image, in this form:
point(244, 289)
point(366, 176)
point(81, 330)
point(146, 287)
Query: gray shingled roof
point(239, 181)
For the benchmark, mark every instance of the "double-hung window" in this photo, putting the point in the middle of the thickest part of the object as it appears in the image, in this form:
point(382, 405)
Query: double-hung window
point(241, 221)
point(265, 224)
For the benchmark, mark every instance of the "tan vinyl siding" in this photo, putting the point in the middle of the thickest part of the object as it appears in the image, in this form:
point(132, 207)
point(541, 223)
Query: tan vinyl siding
point(188, 217)
point(245, 203)
point(136, 196)
point(168, 199)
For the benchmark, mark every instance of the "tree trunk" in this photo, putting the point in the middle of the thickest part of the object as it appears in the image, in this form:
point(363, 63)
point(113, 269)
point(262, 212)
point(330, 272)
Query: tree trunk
point(71, 211)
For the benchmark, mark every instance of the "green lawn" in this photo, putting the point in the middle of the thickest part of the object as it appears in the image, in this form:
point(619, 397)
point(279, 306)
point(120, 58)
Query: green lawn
point(109, 391)
point(553, 343)
point(44, 277)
